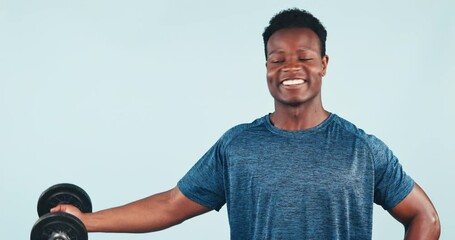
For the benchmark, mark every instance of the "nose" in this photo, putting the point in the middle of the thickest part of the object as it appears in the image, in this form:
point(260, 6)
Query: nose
point(291, 69)
point(292, 66)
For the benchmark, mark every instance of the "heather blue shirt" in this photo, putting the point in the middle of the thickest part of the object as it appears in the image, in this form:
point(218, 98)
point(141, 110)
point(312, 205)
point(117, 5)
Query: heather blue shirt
point(318, 183)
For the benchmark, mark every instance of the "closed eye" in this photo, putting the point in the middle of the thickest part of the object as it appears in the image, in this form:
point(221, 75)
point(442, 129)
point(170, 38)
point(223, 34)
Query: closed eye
point(276, 61)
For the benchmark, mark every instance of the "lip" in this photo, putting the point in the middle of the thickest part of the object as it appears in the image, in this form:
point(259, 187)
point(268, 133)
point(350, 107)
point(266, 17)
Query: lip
point(289, 77)
point(304, 81)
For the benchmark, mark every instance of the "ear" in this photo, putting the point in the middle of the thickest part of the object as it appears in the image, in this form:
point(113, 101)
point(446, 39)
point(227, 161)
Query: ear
point(325, 62)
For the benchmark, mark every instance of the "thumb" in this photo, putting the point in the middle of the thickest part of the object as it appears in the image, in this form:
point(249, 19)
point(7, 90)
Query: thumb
point(59, 208)
point(67, 208)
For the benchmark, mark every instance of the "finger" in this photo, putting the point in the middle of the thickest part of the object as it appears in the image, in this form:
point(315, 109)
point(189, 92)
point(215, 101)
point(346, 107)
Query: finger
point(58, 208)
point(55, 209)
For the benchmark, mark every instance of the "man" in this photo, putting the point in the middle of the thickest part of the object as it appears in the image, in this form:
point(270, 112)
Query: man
point(300, 172)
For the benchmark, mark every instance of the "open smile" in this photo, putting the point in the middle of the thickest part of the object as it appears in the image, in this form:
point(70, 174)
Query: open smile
point(293, 82)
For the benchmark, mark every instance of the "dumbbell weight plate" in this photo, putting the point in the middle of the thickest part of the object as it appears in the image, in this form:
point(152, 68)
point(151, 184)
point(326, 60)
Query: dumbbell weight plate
point(59, 226)
point(64, 193)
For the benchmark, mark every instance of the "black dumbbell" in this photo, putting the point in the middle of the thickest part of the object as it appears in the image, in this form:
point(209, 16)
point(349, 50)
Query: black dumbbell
point(60, 225)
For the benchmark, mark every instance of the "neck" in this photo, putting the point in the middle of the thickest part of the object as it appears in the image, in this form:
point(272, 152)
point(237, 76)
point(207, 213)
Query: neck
point(298, 118)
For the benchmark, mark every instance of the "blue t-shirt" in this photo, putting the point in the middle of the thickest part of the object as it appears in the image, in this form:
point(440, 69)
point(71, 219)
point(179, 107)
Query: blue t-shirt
point(318, 183)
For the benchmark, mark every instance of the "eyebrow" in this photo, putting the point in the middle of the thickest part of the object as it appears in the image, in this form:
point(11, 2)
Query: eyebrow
point(282, 51)
point(275, 51)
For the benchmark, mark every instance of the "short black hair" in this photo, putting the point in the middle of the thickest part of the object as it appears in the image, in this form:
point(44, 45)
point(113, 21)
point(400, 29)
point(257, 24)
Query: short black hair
point(295, 18)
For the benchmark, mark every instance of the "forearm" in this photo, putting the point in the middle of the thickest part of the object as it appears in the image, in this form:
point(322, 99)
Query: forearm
point(423, 227)
point(149, 214)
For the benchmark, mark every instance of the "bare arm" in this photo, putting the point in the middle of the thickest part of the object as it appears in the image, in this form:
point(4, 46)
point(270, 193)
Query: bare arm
point(418, 215)
point(153, 213)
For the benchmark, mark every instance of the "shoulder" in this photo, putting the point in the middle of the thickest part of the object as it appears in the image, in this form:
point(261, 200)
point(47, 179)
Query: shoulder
point(240, 130)
point(358, 134)
point(351, 128)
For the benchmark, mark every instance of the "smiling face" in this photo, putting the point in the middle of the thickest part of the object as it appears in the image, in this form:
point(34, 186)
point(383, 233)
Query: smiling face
point(295, 67)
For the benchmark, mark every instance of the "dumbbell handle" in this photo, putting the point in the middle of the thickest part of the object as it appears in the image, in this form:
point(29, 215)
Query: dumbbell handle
point(59, 236)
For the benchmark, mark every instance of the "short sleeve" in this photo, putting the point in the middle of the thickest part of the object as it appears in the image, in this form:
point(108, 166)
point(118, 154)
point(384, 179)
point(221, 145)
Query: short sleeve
point(204, 182)
point(392, 184)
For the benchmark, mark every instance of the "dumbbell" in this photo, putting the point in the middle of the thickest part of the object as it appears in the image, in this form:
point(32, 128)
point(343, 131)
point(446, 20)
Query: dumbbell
point(60, 225)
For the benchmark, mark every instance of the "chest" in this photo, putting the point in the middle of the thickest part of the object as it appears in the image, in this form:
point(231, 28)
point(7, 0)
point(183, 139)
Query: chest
point(301, 165)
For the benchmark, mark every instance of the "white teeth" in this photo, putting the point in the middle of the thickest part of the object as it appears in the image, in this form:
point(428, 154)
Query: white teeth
point(293, 82)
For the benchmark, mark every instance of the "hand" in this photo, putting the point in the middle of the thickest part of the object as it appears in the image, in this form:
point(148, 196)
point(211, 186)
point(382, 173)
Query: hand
point(67, 208)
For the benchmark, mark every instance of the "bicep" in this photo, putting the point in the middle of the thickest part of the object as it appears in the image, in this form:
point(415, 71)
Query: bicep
point(185, 208)
point(415, 204)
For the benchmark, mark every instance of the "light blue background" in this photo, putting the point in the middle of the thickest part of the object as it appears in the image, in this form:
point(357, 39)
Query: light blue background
point(123, 97)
